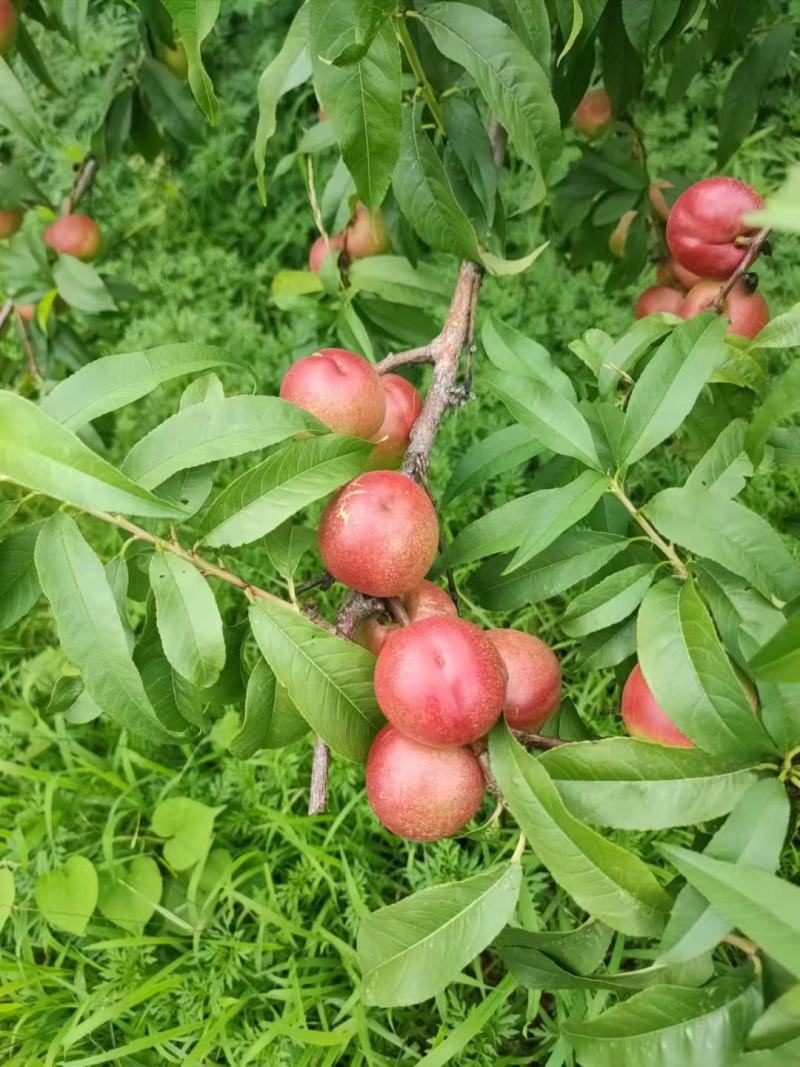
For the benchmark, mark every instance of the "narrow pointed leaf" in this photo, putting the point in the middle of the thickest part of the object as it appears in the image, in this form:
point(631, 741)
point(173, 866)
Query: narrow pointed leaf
point(602, 877)
point(200, 434)
point(610, 601)
point(89, 626)
point(691, 676)
point(725, 467)
point(194, 20)
point(39, 453)
point(16, 111)
point(412, 950)
point(764, 907)
point(189, 621)
point(636, 785)
point(328, 679)
point(268, 494)
point(671, 383)
point(779, 659)
point(270, 718)
point(19, 582)
point(728, 533)
point(493, 455)
point(112, 382)
point(753, 835)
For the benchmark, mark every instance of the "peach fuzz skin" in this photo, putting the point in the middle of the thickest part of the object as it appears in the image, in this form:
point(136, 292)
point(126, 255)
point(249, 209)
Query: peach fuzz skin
point(440, 681)
point(403, 405)
point(340, 388)
point(418, 792)
point(379, 534)
point(533, 688)
point(748, 312)
point(705, 222)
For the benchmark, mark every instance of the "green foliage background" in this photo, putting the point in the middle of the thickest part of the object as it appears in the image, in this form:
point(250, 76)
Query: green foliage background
point(250, 957)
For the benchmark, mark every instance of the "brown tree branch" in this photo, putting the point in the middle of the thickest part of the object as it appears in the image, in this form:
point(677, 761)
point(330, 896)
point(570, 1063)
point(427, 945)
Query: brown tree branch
point(754, 248)
point(444, 351)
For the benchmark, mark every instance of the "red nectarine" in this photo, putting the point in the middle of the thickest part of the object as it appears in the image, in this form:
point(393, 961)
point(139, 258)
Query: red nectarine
point(643, 716)
point(403, 405)
point(10, 222)
point(341, 388)
point(593, 114)
point(320, 249)
point(657, 298)
point(748, 311)
point(533, 689)
point(706, 226)
point(74, 235)
point(9, 21)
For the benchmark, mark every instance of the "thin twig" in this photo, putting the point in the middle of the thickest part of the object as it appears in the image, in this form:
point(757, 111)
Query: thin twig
point(677, 563)
point(751, 255)
point(538, 740)
point(30, 355)
point(5, 312)
point(423, 354)
point(210, 570)
point(84, 179)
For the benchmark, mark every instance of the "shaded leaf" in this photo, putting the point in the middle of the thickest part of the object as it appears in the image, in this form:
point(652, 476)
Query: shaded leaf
point(19, 582)
point(779, 659)
point(81, 286)
point(189, 621)
point(194, 20)
point(270, 718)
point(16, 111)
point(610, 601)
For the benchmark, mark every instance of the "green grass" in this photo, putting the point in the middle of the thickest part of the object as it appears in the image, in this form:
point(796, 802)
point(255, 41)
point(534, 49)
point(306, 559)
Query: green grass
point(250, 958)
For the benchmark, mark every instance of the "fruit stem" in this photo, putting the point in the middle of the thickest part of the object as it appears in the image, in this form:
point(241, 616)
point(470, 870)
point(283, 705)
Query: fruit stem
point(419, 72)
point(517, 854)
point(677, 563)
point(751, 255)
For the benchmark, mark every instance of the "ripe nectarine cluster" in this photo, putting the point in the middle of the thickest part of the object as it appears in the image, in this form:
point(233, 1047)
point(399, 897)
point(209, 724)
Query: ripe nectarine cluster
point(707, 239)
point(441, 681)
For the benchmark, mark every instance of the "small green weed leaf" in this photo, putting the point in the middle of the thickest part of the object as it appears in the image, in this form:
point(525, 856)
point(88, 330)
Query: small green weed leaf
point(67, 897)
point(7, 895)
point(129, 894)
point(189, 825)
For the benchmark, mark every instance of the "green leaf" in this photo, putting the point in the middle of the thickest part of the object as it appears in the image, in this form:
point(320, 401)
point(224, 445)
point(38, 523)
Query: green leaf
point(362, 100)
point(189, 826)
point(270, 718)
point(467, 136)
point(671, 383)
point(194, 20)
point(752, 835)
point(779, 659)
point(37, 452)
point(268, 494)
point(17, 187)
point(411, 950)
point(67, 897)
point(7, 894)
point(764, 61)
point(765, 908)
point(603, 878)
point(552, 418)
point(781, 332)
point(486, 459)
point(89, 626)
point(514, 353)
point(536, 969)
point(779, 1023)
point(729, 534)
point(511, 81)
point(647, 21)
point(201, 434)
point(393, 278)
point(16, 111)
point(531, 23)
point(581, 950)
point(725, 467)
point(613, 599)
point(572, 557)
point(637, 785)
point(668, 1025)
point(286, 545)
point(622, 68)
point(626, 351)
point(609, 648)
point(777, 1057)
point(691, 677)
point(289, 68)
point(169, 103)
point(188, 619)
point(425, 196)
point(19, 582)
point(112, 382)
point(175, 701)
point(499, 267)
point(328, 679)
point(782, 402)
point(129, 895)
point(558, 509)
point(81, 286)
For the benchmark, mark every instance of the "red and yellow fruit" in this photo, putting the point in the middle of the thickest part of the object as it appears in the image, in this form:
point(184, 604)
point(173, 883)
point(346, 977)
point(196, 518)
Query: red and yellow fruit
point(643, 716)
point(706, 231)
point(403, 405)
point(658, 298)
point(340, 388)
point(74, 235)
point(533, 686)
point(748, 311)
point(440, 681)
point(320, 249)
point(419, 792)
point(593, 114)
point(379, 534)
point(365, 234)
